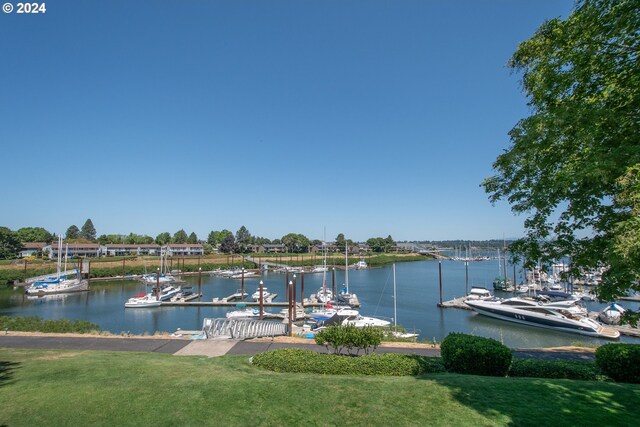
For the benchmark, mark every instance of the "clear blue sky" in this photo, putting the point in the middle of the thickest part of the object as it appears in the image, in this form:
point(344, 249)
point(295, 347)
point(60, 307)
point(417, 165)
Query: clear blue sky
point(366, 118)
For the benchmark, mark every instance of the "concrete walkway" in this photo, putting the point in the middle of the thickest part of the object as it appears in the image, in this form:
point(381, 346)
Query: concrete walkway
point(215, 348)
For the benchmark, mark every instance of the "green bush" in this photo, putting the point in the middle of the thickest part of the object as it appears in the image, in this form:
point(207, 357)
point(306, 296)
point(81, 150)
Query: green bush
point(308, 361)
point(468, 354)
point(36, 324)
point(349, 337)
point(621, 362)
point(556, 369)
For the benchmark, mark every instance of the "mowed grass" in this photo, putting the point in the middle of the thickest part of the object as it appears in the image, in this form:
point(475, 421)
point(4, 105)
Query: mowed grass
point(112, 388)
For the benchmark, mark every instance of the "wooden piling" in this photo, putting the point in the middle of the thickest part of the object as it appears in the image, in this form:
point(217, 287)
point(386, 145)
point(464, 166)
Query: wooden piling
point(199, 283)
point(440, 276)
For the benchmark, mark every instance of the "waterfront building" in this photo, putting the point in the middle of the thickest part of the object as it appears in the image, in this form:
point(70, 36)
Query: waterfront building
point(183, 249)
point(31, 249)
point(130, 249)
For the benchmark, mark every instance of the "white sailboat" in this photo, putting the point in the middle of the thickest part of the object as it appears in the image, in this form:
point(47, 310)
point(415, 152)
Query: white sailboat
point(395, 331)
point(60, 283)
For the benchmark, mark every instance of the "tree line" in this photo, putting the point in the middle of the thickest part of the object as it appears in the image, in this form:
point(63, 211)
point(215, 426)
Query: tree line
point(224, 240)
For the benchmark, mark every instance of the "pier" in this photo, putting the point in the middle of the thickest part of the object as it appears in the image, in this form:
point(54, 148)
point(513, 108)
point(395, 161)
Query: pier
point(455, 303)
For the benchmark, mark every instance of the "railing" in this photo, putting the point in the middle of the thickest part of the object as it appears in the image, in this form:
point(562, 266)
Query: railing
point(241, 329)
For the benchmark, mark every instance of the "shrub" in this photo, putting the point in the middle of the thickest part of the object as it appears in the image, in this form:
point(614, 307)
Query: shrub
point(468, 354)
point(309, 361)
point(36, 324)
point(348, 337)
point(621, 362)
point(557, 369)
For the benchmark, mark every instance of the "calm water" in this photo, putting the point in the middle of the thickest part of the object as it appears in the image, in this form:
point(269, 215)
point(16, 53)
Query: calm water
point(417, 287)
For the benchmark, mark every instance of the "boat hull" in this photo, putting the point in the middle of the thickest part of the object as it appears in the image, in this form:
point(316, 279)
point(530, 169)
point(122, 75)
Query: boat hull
point(542, 321)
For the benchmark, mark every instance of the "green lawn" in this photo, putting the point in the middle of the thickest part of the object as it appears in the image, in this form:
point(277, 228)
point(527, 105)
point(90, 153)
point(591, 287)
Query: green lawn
point(109, 388)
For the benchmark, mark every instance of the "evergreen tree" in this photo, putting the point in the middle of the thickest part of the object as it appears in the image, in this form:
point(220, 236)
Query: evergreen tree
point(88, 231)
point(193, 238)
point(73, 232)
point(163, 238)
point(180, 237)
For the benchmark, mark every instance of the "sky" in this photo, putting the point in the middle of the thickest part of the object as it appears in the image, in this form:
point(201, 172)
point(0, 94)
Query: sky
point(368, 118)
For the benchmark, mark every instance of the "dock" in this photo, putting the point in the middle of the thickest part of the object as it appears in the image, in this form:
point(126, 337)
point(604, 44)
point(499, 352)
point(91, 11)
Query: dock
point(455, 303)
point(222, 303)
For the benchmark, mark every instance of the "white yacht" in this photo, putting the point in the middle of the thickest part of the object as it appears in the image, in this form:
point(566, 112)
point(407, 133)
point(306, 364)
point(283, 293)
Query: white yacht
point(256, 294)
point(479, 293)
point(143, 301)
point(61, 282)
point(530, 312)
point(324, 295)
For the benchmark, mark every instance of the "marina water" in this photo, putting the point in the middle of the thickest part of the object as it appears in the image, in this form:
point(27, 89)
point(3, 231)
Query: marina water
point(417, 289)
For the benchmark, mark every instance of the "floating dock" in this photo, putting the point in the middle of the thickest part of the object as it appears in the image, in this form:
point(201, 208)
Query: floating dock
point(455, 303)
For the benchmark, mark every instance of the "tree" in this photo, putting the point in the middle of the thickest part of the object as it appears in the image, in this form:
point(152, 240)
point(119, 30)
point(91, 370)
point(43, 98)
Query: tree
point(193, 238)
point(33, 234)
point(163, 238)
point(296, 243)
point(570, 167)
point(243, 239)
point(180, 236)
point(377, 244)
point(389, 243)
point(88, 231)
point(228, 245)
point(215, 238)
point(73, 232)
point(9, 244)
point(340, 242)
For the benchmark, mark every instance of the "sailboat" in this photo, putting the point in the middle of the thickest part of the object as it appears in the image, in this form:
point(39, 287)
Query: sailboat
point(165, 278)
point(344, 295)
point(59, 283)
point(395, 332)
point(501, 283)
point(324, 294)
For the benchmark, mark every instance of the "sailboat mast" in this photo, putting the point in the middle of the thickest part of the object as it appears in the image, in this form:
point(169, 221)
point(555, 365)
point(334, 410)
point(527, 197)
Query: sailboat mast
point(59, 255)
point(395, 316)
point(346, 266)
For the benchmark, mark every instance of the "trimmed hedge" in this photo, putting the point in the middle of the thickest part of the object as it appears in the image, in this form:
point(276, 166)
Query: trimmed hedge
point(621, 362)
point(348, 337)
point(36, 324)
point(309, 361)
point(468, 354)
point(556, 369)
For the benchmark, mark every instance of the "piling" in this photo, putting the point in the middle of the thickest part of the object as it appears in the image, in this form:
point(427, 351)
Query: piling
point(294, 297)
point(333, 281)
point(440, 276)
point(261, 300)
point(199, 283)
point(242, 292)
point(157, 284)
point(289, 291)
point(302, 289)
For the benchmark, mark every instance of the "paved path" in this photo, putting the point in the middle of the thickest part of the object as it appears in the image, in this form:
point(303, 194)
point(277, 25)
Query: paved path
point(213, 348)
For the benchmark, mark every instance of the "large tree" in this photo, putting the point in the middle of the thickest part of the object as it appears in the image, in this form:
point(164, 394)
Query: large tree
point(179, 236)
point(9, 243)
point(572, 165)
point(243, 239)
point(163, 238)
point(296, 243)
point(73, 232)
point(33, 234)
point(88, 231)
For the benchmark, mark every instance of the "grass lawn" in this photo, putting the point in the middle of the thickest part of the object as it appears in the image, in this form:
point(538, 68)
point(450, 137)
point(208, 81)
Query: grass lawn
point(110, 388)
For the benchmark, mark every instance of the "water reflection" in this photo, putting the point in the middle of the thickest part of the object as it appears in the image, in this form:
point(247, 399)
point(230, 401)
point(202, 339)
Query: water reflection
point(417, 289)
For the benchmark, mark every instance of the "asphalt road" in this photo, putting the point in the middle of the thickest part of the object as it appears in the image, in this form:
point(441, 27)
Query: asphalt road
point(171, 346)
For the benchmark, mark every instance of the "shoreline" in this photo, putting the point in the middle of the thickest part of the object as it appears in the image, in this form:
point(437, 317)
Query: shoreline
point(279, 339)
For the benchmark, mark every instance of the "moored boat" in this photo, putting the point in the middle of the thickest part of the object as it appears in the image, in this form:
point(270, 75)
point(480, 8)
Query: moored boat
point(529, 312)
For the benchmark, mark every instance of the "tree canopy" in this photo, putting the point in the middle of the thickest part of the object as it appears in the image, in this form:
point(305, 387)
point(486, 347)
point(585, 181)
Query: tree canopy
point(572, 167)
point(73, 232)
point(9, 243)
point(88, 231)
point(296, 243)
point(33, 234)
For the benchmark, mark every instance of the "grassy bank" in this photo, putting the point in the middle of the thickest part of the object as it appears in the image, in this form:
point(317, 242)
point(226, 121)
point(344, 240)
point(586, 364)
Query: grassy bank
point(123, 266)
point(102, 388)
